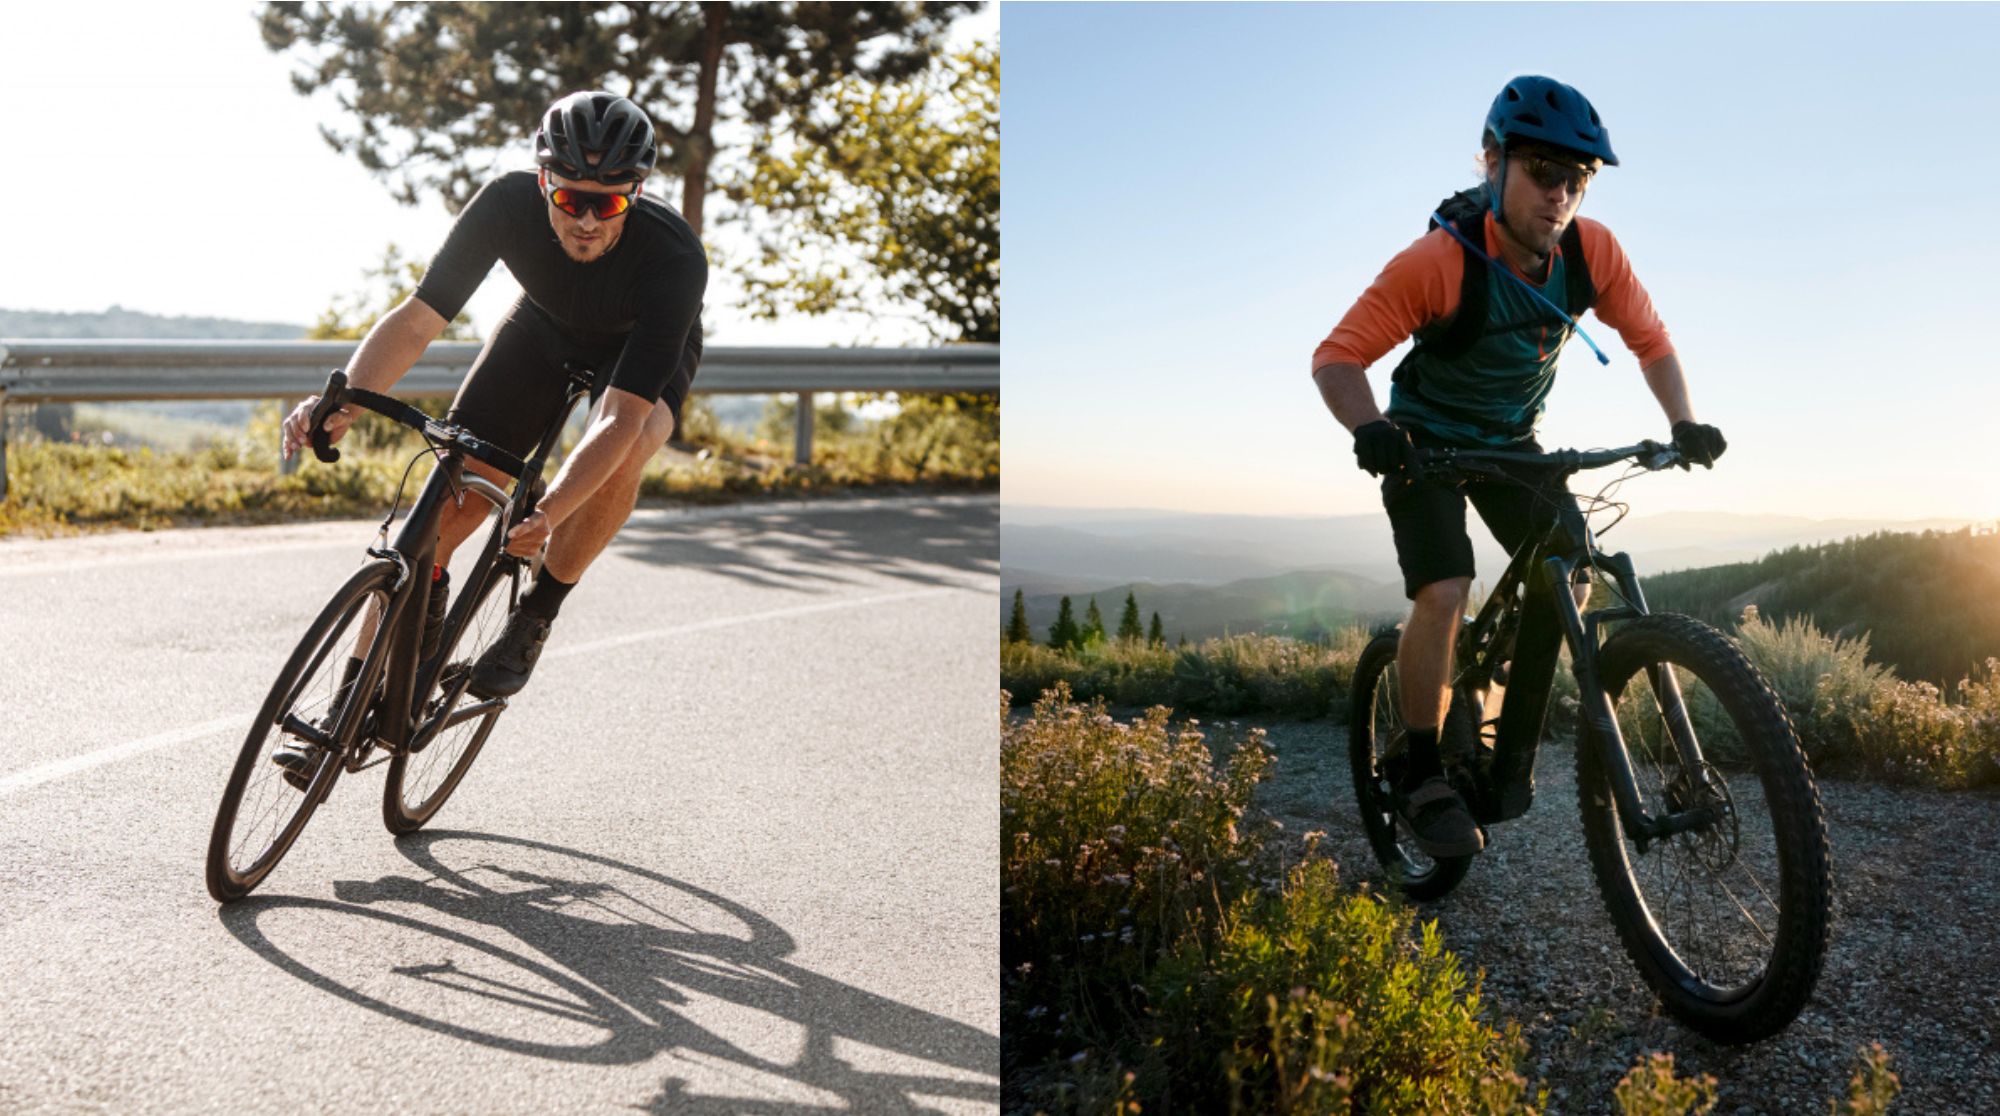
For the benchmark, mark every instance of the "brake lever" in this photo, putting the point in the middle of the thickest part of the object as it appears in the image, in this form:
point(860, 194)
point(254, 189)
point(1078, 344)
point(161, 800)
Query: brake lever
point(330, 400)
point(1657, 456)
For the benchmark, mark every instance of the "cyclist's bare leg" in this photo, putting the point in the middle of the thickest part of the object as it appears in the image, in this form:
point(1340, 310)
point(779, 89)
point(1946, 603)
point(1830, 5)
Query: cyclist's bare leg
point(455, 526)
point(1424, 653)
point(584, 535)
point(458, 523)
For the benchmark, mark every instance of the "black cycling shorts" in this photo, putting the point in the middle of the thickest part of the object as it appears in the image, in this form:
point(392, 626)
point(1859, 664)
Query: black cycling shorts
point(516, 383)
point(1428, 520)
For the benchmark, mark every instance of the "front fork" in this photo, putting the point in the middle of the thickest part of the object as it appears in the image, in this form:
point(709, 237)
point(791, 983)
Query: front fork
point(1600, 721)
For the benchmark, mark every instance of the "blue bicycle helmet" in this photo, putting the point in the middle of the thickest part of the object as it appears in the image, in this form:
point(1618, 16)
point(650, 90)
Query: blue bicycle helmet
point(1544, 109)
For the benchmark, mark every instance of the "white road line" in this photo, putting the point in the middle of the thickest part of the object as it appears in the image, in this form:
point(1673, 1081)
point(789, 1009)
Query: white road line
point(752, 618)
point(36, 776)
point(49, 772)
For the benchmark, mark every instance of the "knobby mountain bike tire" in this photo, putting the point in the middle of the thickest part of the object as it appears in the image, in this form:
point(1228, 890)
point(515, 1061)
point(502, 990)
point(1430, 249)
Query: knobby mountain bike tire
point(1727, 923)
point(261, 814)
point(1375, 752)
point(423, 776)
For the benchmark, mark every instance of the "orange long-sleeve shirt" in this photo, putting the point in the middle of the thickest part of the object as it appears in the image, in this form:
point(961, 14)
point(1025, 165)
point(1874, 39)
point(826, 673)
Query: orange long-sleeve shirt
point(1421, 285)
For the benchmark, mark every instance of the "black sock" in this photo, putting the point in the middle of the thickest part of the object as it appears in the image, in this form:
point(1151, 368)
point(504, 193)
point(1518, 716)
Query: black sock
point(545, 597)
point(1424, 760)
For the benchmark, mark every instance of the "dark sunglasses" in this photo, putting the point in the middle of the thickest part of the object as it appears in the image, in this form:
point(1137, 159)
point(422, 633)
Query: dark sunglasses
point(1546, 173)
point(576, 203)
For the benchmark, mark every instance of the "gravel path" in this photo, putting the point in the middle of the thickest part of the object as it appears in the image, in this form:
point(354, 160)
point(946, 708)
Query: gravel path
point(1914, 962)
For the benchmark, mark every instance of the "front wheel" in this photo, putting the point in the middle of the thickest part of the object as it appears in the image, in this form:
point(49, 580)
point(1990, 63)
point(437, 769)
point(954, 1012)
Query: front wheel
point(1727, 922)
point(455, 723)
point(1377, 754)
point(262, 810)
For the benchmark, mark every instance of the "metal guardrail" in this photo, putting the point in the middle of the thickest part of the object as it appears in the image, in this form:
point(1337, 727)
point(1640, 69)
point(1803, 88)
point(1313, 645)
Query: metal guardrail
point(122, 371)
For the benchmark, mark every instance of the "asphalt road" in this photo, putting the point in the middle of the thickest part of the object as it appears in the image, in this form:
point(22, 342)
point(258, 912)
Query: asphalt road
point(733, 850)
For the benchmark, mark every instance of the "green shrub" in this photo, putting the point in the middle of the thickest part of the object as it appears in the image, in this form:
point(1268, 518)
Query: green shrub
point(1141, 959)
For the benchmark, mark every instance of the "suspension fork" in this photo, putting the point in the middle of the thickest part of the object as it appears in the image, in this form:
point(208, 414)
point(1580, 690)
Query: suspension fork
point(1600, 721)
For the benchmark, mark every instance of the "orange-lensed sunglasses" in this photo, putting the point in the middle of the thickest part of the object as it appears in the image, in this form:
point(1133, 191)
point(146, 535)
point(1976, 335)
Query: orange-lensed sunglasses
point(576, 203)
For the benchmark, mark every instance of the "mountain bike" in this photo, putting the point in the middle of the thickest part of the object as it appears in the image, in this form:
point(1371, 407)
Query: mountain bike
point(416, 715)
point(1700, 815)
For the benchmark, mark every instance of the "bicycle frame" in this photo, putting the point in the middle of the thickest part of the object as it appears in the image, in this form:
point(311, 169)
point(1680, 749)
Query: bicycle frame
point(400, 716)
point(1540, 576)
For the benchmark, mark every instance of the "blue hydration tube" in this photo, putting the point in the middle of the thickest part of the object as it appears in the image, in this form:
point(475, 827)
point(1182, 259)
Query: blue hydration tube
point(1524, 285)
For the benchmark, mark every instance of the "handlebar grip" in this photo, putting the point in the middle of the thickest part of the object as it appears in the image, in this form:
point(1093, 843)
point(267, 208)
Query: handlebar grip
point(330, 400)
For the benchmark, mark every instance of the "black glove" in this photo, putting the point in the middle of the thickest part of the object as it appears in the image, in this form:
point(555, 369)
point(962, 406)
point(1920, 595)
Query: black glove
point(1381, 447)
point(1698, 443)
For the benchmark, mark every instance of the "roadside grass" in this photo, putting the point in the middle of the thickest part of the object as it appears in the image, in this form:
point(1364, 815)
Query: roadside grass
point(1157, 955)
point(65, 487)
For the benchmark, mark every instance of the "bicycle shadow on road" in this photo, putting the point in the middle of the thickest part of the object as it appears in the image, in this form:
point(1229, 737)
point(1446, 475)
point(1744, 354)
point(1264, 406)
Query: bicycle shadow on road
point(620, 965)
point(927, 544)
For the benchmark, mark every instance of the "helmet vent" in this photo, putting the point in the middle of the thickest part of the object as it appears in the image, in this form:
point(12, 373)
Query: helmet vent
point(1530, 119)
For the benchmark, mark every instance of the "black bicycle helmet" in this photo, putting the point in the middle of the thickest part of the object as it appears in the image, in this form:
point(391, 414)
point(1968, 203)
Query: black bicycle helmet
point(1544, 109)
point(602, 124)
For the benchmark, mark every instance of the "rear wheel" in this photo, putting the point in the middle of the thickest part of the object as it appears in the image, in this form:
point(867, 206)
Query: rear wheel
point(1377, 753)
point(455, 723)
point(262, 812)
point(1727, 922)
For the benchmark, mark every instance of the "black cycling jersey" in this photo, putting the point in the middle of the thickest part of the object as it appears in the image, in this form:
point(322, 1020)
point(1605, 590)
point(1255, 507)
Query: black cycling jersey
point(642, 297)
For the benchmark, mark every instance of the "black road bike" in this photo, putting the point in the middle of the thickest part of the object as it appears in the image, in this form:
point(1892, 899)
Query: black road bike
point(416, 715)
point(1700, 815)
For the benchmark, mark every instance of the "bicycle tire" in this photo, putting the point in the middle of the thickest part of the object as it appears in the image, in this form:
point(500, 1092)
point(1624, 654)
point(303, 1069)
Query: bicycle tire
point(246, 844)
point(1374, 728)
point(1732, 978)
point(421, 778)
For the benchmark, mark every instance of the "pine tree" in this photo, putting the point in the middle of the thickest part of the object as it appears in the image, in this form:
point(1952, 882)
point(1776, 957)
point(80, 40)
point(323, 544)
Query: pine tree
point(1017, 625)
point(1064, 634)
point(1183, 642)
point(1128, 623)
point(1093, 625)
point(1157, 637)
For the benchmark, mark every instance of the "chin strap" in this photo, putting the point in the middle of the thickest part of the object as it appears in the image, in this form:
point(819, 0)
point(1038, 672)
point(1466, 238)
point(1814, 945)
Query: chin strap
point(1522, 283)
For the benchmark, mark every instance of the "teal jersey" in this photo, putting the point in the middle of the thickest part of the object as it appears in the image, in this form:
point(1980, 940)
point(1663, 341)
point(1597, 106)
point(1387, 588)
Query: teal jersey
point(1495, 393)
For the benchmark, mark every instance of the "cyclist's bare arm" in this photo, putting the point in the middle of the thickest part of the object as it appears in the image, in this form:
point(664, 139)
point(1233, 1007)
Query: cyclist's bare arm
point(1345, 389)
point(1670, 388)
point(616, 423)
point(391, 348)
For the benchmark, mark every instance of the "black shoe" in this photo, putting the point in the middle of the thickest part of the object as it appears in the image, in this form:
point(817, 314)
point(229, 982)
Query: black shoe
point(1436, 818)
point(504, 668)
point(300, 760)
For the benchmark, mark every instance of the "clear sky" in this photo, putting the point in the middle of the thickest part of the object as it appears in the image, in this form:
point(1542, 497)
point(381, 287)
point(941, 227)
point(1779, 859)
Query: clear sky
point(159, 160)
point(1198, 192)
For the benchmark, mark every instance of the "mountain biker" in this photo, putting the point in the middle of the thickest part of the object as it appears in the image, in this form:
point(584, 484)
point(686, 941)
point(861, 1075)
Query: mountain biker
point(1484, 386)
point(611, 280)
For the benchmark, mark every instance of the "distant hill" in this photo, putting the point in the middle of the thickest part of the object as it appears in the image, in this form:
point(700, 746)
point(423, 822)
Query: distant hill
point(1113, 546)
point(1303, 604)
point(120, 323)
point(1930, 601)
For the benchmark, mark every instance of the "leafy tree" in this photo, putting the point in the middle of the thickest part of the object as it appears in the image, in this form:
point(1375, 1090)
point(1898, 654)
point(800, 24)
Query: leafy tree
point(1064, 634)
point(1093, 624)
point(388, 284)
point(905, 176)
point(438, 89)
point(1157, 637)
point(1017, 624)
point(1129, 628)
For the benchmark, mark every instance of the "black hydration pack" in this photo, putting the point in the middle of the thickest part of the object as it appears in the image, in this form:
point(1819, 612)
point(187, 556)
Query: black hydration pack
point(1466, 210)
